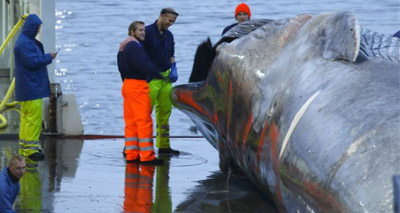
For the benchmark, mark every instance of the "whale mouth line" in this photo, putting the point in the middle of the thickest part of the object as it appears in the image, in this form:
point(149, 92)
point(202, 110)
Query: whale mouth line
point(295, 121)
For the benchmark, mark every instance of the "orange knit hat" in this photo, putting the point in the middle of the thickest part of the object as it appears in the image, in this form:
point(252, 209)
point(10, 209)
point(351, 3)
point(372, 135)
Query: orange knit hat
point(242, 8)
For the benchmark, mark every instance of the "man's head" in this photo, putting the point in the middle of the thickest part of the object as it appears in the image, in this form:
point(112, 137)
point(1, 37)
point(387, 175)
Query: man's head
point(17, 166)
point(32, 25)
point(242, 13)
point(137, 30)
point(167, 18)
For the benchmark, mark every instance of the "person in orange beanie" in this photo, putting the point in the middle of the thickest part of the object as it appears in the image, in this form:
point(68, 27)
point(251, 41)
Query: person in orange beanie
point(242, 14)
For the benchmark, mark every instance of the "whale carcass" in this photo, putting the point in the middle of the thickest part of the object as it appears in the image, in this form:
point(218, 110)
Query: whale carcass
point(302, 108)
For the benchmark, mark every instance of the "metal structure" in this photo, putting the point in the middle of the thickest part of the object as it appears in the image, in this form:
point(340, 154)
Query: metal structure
point(11, 13)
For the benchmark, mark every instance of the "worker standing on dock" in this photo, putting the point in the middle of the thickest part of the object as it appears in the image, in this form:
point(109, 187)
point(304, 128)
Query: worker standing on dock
point(31, 85)
point(135, 67)
point(160, 47)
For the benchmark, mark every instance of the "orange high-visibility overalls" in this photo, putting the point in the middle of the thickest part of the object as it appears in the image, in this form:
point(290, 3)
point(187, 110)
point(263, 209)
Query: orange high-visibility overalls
point(138, 121)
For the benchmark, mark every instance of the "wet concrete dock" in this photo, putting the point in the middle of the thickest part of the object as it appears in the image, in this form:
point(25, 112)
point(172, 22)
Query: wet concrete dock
point(89, 176)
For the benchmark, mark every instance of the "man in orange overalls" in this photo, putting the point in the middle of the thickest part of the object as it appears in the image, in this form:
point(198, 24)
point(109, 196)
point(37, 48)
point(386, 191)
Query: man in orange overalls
point(135, 67)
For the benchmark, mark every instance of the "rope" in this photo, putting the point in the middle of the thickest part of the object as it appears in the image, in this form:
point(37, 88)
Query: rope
point(96, 137)
point(88, 137)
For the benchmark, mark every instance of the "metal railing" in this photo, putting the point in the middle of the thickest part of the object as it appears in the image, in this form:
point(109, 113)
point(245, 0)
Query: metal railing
point(11, 12)
point(3, 103)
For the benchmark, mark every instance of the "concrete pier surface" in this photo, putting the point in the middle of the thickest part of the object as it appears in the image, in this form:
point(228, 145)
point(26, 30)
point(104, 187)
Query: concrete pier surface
point(90, 176)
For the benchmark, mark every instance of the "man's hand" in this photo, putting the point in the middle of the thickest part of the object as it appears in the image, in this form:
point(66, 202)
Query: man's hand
point(53, 55)
point(173, 74)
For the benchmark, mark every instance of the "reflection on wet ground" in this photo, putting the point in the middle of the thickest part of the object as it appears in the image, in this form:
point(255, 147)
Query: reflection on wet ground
point(91, 176)
point(214, 194)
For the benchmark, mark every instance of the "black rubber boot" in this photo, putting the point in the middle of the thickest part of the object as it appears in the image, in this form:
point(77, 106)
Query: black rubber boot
point(168, 151)
point(37, 156)
point(156, 161)
point(133, 161)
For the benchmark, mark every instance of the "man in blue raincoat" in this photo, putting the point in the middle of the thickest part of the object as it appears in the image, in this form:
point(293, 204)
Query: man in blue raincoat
point(31, 85)
point(9, 182)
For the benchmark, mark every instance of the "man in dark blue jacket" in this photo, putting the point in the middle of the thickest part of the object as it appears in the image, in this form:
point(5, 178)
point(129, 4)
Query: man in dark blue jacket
point(9, 182)
point(31, 85)
point(159, 44)
point(135, 67)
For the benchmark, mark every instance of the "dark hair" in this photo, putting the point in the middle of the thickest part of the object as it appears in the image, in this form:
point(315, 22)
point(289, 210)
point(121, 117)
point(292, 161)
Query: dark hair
point(133, 26)
point(168, 10)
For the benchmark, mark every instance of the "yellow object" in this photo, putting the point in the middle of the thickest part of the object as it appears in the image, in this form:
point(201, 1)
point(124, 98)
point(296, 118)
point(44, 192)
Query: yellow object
point(160, 95)
point(30, 197)
point(30, 126)
point(4, 103)
point(12, 33)
point(3, 121)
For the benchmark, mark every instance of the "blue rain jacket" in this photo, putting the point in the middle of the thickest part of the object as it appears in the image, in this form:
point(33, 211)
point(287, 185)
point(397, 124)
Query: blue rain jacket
point(8, 191)
point(159, 47)
point(133, 63)
point(31, 78)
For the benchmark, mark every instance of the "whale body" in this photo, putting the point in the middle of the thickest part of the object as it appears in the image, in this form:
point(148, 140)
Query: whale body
point(299, 107)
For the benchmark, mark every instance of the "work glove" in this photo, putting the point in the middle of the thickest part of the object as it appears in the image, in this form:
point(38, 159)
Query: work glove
point(173, 74)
